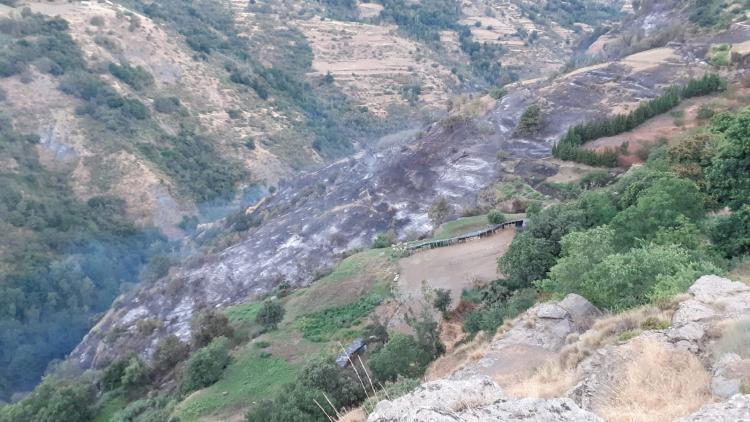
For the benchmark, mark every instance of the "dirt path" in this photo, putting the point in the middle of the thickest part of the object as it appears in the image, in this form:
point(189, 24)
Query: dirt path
point(454, 267)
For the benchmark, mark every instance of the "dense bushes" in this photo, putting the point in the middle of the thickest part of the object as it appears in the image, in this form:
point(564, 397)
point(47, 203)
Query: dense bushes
point(206, 365)
point(497, 302)
point(64, 261)
point(53, 401)
point(135, 76)
point(731, 233)
point(36, 38)
point(191, 160)
point(569, 146)
point(320, 381)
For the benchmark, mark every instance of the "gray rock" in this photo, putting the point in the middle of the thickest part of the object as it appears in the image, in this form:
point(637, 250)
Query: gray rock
point(736, 409)
point(709, 288)
point(534, 339)
point(474, 400)
point(729, 374)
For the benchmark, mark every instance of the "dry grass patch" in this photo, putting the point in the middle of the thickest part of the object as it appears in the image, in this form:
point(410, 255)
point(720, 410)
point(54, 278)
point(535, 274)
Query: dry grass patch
point(658, 384)
point(609, 329)
point(550, 380)
point(465, 354)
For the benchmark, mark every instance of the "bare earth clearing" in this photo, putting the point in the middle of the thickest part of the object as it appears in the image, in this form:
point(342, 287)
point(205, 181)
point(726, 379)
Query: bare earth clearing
point(454, 268)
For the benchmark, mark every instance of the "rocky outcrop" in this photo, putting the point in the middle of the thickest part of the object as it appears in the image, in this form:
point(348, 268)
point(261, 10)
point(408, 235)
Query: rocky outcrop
point(736, 409)
point(474, 399)
point(534, 338)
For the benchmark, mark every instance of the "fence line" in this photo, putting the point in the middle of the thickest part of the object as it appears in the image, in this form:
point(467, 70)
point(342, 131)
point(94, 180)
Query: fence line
point(432, 244)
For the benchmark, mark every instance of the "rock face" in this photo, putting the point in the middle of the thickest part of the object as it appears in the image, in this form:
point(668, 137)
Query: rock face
point(736, 409)
point(535, 338)
point(474, 399)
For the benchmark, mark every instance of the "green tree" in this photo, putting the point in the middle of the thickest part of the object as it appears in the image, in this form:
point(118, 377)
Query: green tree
point(135, 375)
point(209, 325)
point(442, 300)
point(270, 315)
point(531, 121)
point(439, 211)
point(495, 217)
point(168, 353)
point(731, 233)
point(658, 206)
point(206, 366)
point(728, 176)
point(53, 401)
point(402, 355)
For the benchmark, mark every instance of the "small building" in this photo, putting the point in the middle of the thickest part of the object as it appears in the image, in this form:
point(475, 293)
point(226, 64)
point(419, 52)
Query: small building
point(350, 352)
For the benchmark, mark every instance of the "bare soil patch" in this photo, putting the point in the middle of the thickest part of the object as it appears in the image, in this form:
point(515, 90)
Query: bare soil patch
point(454, 268)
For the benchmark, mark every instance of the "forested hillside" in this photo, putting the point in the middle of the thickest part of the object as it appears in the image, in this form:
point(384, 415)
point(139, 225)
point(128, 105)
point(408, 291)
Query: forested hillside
point(203, 203)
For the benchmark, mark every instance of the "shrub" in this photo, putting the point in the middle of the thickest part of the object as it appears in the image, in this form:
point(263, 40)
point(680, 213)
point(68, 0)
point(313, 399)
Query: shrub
point(209, 325)
point(168, 353)
point(383, 240)
point(654, 323)
point(137, 77)
point(442, 300)
point(135, 375)
point(206, 365)
point(270, 315)
point(439, 211)
point(167, 105)
point(53, 401)
point(705, 112)
point(531, 121)
point(496, 217)
point(401, 356)
point(97, 20)
point(497, 92)
point(731, 234)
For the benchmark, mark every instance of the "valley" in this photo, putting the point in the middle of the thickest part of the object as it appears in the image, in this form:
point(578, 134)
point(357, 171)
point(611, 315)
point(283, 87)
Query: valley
point(237, 185)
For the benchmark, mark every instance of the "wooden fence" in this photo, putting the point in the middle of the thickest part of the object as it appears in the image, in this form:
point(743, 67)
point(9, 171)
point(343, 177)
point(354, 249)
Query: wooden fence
point(432, 244)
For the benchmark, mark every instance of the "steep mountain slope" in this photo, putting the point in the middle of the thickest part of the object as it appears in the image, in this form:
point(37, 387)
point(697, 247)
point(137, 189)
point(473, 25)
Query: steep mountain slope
point(125, 124)
point(305, 226)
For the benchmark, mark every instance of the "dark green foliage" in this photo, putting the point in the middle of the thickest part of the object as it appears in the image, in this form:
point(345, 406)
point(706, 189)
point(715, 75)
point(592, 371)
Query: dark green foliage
point(402, 356)
point(270, 315)
point(425, 20)
point(297, 402)
point(209, 325)
point(64, 261)
point(498, 303)
point(442, 300)
point(658, 206)
point(569, 146)
point(595, 179)
point(496, 217)
point(36, 38)
point(383, 240)
point(53, 401)
point(707, 12)
point(167, 105)
point(731, 234)
point(570, 12)
point(728, 175)
point(168, 353)
point(530, 122)
point(135, 76)
point(206, 365)
point(112, 376)
point(192, 161)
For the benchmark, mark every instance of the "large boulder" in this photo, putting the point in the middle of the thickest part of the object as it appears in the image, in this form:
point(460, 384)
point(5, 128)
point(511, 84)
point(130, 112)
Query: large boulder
point(474, 399)
point(736, 409)
point(534, 338)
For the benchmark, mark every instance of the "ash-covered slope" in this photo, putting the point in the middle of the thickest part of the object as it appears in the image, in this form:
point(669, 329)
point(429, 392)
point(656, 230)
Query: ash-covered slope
point(309, 223)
